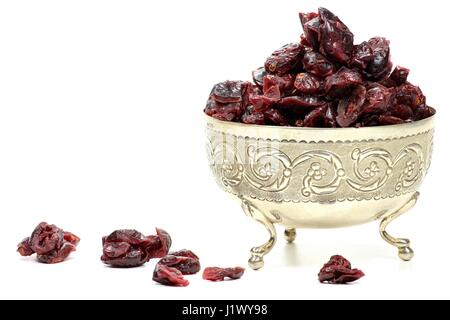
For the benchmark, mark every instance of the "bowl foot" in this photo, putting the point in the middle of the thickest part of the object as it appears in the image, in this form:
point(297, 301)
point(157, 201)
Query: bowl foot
point(290, 234)
point(256, 260)
point(404, 250)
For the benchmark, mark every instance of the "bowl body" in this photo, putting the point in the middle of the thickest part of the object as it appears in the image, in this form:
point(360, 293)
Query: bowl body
point(320, 178)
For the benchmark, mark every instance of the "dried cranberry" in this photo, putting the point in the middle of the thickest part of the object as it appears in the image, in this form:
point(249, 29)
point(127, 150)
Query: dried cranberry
point(380, 65)
point(401, 111)
point(169, 276)
point(307, 83)
point(284, 83)
point(362, 55)
point(273, 116)
point(130, 248)
point(224, 112)
point(349, 108)
point(315, 118)
point(389, 120)
point(253, 117)
point(349, 85)
point(377, 98)
point(24, 248)
point(409, 95)
point(317, 64)
point(285, 59)
point(57, 255)
point(184, 253)
point(330, 116)
point(339, 271)
point(228, 91)
point(342, 82)
point(302, 102)
point(219, 274)
point(50, 243)
point(164, 247)
point(336, 40)
point(399, 75)
point(311, 26)
point(228, 100)
point(258, 76)
point(423, 112)
point(186, 265)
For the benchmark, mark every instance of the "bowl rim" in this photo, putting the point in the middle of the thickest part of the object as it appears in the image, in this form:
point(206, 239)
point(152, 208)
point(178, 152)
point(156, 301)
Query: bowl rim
point(400, 126)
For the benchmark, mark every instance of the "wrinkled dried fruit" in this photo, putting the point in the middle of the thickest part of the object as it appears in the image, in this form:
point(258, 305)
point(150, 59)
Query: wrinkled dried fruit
point(186, 265)
point(349, 108)
point(219, 274)
point(258, 76)
point(377, 98)
point(389, 120)
point(228, 91)
point(169, 276)
point(285, 59)
point(130, 248)
point(307, 83)
point(423, 112)
point(315, 118)
point(362, 55)
point(228, 100)
point(325, 80)
point(253, 117)
point(50, 243)
point(317, 64)
point(380, 65)
point(336, 40)
point(184, 253)
point(301, 102)
point(342, 82)
point(273, 116)
point(339, 271)
point(311, 26)
point(399, 75)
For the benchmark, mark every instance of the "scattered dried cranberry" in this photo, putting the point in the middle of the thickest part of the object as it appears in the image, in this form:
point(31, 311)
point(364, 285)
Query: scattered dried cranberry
point(323, 81)
point(169, 276)
point(219, 274)
point(130, 248)
point(50, 243)
point(184, 253)
point(186, 264)
point(339, 271)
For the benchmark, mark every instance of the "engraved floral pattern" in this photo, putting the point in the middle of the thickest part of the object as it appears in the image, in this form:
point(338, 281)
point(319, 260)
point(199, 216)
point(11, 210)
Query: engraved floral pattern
point(293, 171)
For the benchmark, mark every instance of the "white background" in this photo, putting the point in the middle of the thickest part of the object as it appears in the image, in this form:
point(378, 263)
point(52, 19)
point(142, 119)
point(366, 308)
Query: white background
point(101, 127)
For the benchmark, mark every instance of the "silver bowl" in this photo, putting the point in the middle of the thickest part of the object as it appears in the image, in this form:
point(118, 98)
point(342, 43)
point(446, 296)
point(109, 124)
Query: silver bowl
point(321, 178)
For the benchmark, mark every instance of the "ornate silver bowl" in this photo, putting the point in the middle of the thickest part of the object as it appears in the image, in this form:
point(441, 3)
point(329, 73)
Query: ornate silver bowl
point(321, 178)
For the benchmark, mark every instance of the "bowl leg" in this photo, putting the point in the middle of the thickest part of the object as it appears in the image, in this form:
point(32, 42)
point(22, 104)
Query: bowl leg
point(256, 260)
point(290, 234)
point(404, 250)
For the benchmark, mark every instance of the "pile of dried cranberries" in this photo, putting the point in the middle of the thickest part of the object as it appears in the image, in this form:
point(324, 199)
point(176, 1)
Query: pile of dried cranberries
point(325, 80)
